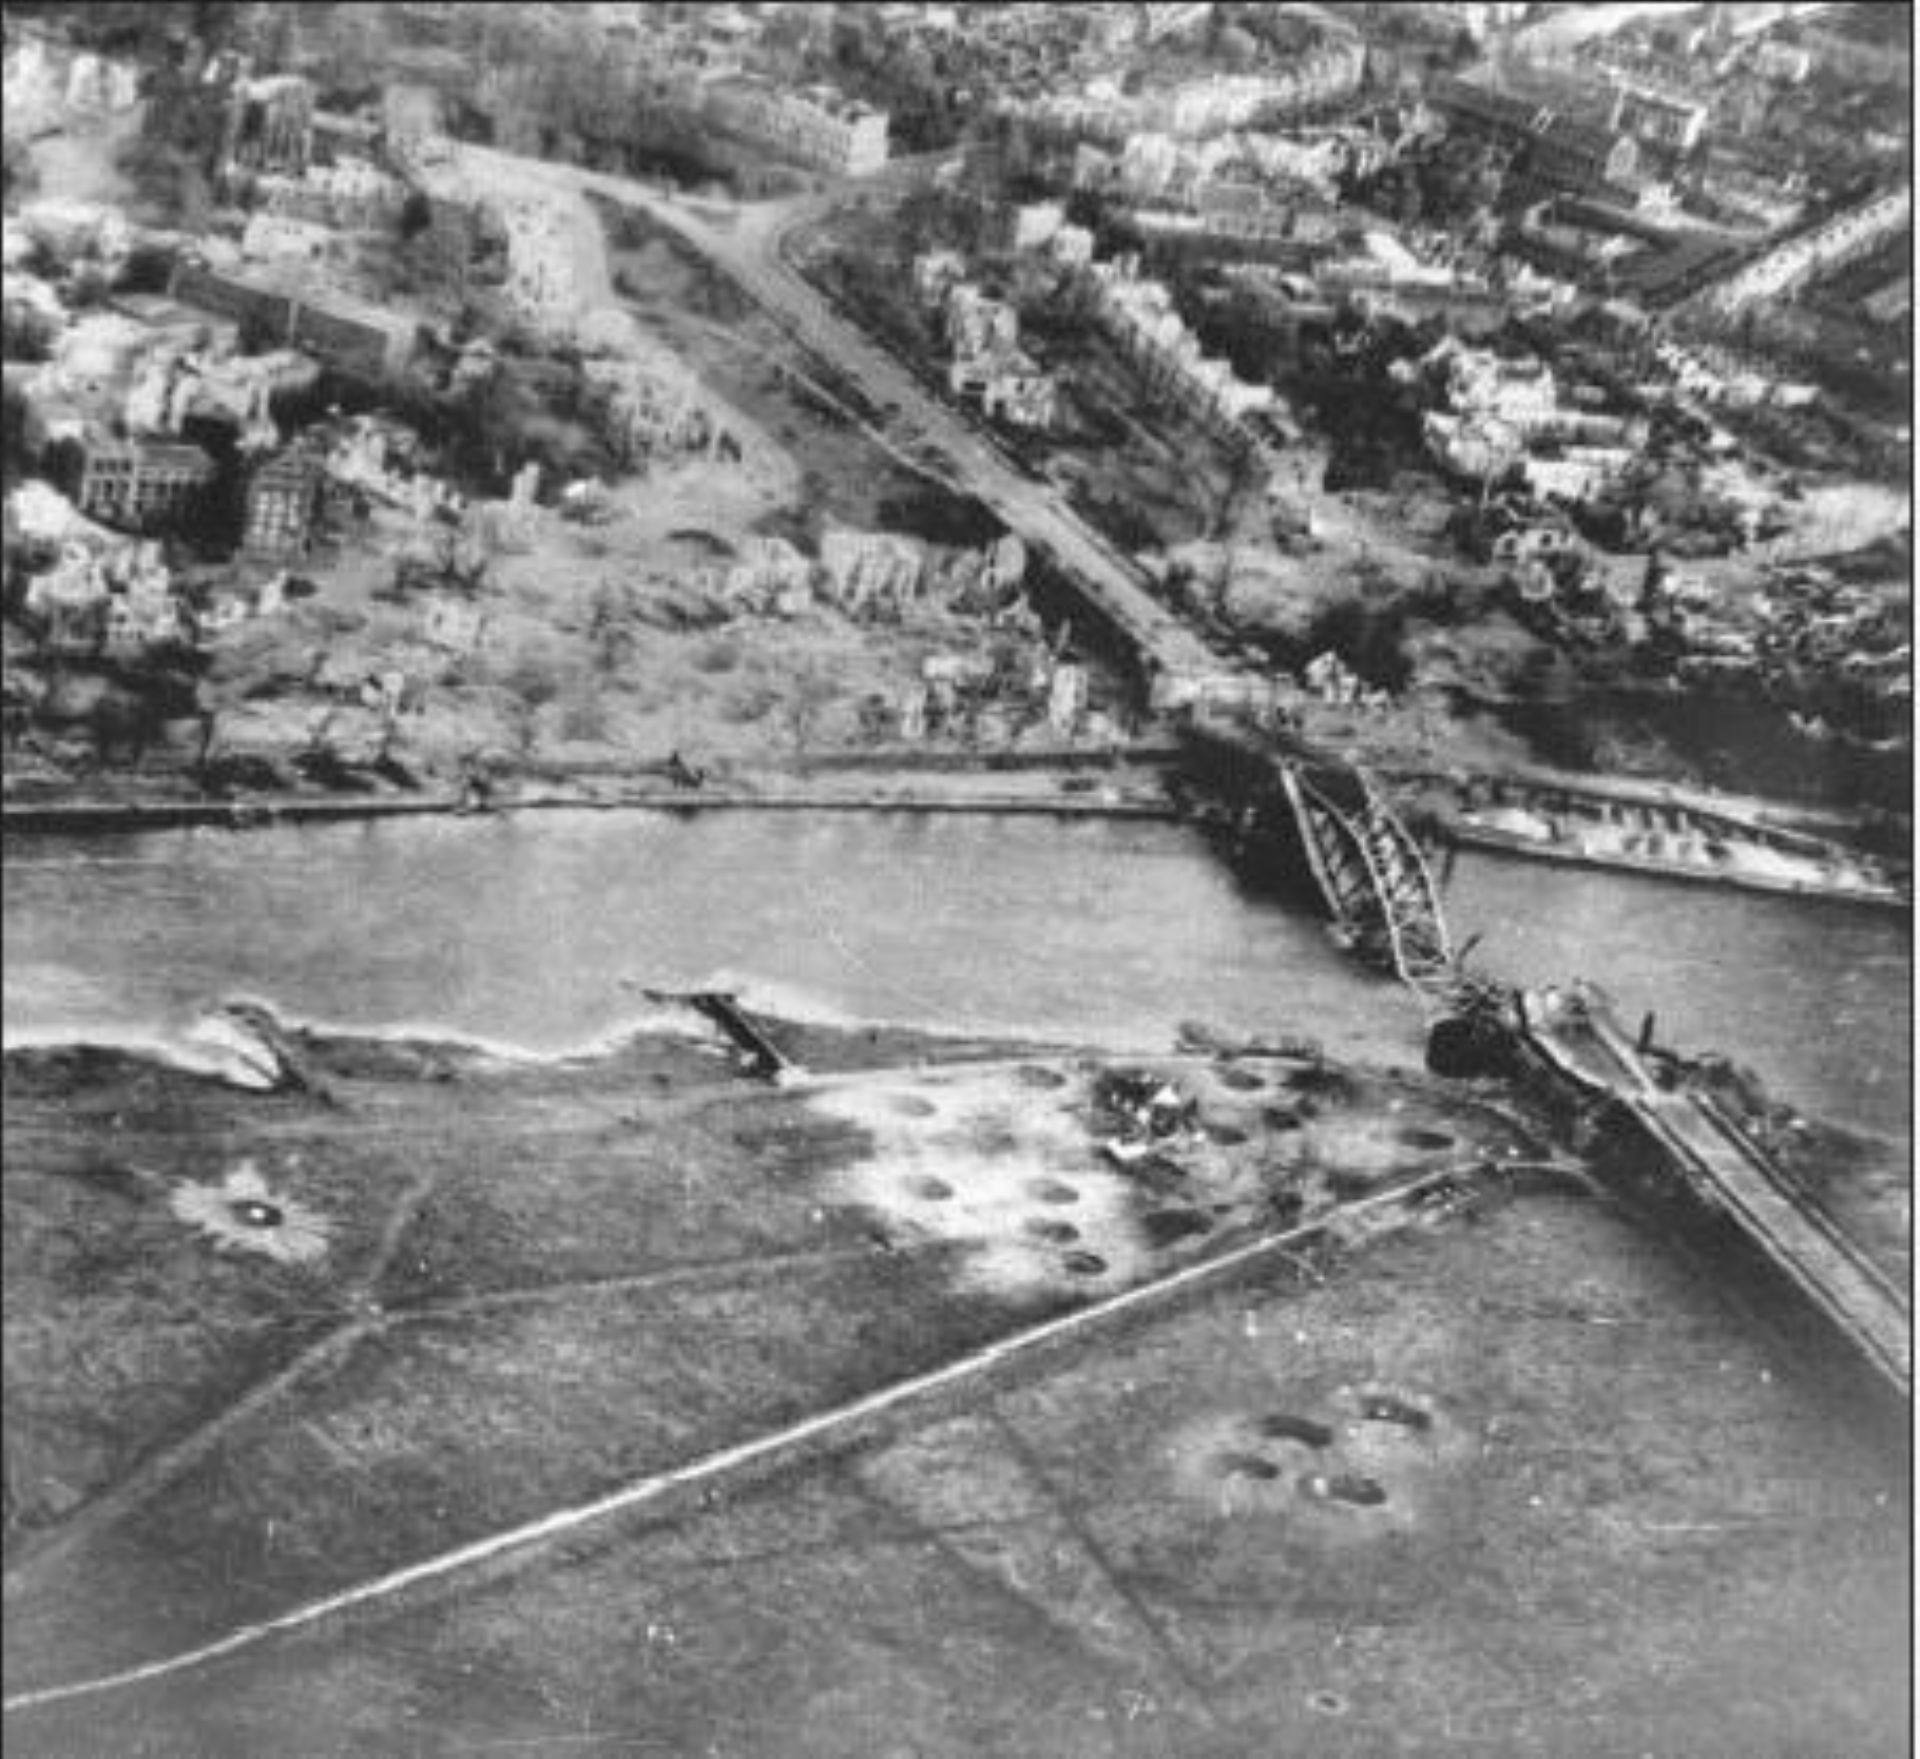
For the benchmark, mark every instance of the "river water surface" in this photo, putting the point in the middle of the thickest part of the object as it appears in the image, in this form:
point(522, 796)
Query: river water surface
point(537, 930)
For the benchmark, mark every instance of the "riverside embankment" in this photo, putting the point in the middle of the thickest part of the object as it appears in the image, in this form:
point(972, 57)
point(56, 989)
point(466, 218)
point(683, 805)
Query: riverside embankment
point(574, 1383)
point(556, 1282)
point(1124, 784)
point(953, 920)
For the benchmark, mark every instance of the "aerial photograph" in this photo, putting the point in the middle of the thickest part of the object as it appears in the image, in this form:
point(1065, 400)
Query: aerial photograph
point(957, 881)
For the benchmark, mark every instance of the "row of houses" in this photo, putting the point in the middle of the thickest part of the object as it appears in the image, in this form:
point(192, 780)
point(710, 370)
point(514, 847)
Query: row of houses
point(1814, 251)
point(144, 485)
point(118, 600)
point(351, 334)
point(816, 126)
point(121, 601)
point(352, 194)
point(1141, 318)
point(1326, 74)
point(1712, 376)
point(1228, 170)
point(869, 573)
point(1548, 150)
point(1274, 238)
point(48, 82)
point(1502, 414)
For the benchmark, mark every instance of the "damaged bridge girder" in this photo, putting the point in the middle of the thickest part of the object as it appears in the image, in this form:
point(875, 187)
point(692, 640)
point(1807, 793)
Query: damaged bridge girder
point(1372, 873)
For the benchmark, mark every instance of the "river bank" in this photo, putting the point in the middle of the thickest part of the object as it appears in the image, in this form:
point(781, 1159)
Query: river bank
point(342, 1335)
point(1089, 786)
point(1797, 850)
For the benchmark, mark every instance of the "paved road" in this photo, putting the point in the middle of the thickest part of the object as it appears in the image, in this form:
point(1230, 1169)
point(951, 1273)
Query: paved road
point(1716, 1153)
point(745, 242)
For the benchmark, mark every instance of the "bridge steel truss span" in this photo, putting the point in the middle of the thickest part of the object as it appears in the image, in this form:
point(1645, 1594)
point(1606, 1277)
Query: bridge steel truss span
point(1373, 875)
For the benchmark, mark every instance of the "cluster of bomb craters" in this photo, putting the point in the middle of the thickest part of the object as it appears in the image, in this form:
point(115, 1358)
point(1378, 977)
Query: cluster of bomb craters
point(1354, 1463)
point(1085, 1177)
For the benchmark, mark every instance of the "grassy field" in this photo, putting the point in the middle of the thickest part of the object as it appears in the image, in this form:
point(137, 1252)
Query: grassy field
point(538, 1282)
point(1497, 1481)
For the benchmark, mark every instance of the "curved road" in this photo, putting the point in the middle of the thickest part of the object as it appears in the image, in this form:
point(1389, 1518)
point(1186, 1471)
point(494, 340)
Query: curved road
point(747, 247)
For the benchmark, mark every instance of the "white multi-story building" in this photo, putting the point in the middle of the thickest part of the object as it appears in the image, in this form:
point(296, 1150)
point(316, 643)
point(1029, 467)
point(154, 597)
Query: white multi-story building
point(1036, 222)
point(1477, 20)
point(818, 126)
point(936, 273)
point(1141, 318)
point(977, 324)
point(1482, 384)
point(1166, 20)
point(1072, 247)
point(1665, 117)
point(1578, 473)
point(352, 193)
point(1019, 393)
point(1214, 105)
point(281, 238)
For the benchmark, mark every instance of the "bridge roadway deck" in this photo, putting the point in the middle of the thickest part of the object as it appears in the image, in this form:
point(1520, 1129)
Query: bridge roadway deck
point(747, 250)
point(1719, 1156)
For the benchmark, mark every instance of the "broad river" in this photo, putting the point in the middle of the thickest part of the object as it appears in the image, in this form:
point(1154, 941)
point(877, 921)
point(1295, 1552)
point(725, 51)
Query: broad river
point(538, 930)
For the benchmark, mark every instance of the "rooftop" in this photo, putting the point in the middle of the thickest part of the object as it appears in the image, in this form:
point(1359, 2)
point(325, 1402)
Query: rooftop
point(183, 454)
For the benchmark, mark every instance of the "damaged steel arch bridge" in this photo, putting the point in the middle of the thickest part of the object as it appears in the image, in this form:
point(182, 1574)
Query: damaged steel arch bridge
point(1372, 873)
point(1318, 816)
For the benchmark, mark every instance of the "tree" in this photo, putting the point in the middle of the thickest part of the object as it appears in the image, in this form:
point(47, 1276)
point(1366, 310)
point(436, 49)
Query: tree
point(16, 452)
point(611, 628)
point(1238, 46)
point(352, 52)
point(22, 175)
point(810, 692)
point(168, 181)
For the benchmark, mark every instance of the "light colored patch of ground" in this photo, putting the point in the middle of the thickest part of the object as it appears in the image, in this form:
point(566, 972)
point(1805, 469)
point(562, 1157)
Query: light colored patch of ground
point(1000, 1168)
point(79, 166)
point(1833, 517)
point(1826, 518)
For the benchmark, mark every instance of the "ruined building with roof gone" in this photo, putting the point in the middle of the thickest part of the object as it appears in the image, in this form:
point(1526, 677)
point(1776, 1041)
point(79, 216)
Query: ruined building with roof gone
point(283, 502)
point(139, 485)
point(269, 125)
